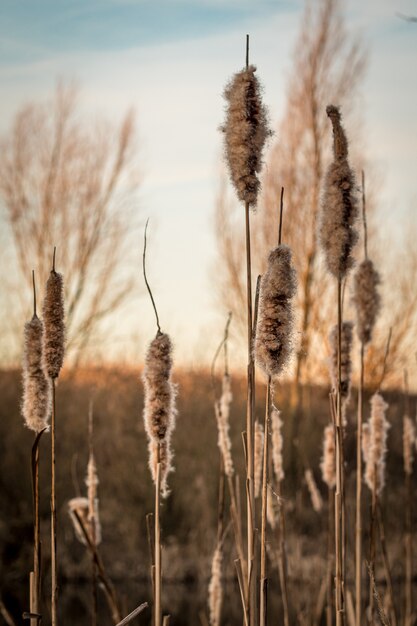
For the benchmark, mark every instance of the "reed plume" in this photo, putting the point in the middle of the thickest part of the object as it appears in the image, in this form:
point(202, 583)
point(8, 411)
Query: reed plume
point(259, 446)
point(328, 461)
point(36, 405)
point(273, 342)
point(345, 361)
point(53, 315)
point(316, 499)
point(165, 461)
point(93, 516)
point(246, 130)
point(271, 512)
point(339, 204)
point(277, 444)
point(222, 412)
point(366, 299)
point(215, 587)
point(378, 429)
point(409, 439)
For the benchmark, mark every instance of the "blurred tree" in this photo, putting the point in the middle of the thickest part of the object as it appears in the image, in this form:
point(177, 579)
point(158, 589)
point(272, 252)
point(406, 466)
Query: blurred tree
point(68, 181)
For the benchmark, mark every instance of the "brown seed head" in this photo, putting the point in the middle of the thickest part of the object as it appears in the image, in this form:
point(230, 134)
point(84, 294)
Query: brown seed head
point(409, 439)
point(274, 333)
point(378, 425)
point(53, 315)
point(366, 299)
point(277, 444)
point(222, 411)
point(246, 129)
point(36, 403)
point(328, 461)
point(215, 591)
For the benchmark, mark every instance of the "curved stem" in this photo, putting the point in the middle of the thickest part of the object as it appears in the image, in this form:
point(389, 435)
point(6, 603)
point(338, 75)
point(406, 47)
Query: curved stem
point(146, 280)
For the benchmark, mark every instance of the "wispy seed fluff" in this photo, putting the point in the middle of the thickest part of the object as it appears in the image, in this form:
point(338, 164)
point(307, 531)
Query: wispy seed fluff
point(36, 389)
point(277, 444)
point(53, 316)
point(366, 440)
point(339, 208)
point(378, 428)
point(258, 454)
point(409, 439)
point(165, 460)
point(215, 590)
point(271, 508)
point(92, 483)
point(345, 358)
point(80, 506)
point(274, 333)
point(328, 461)
point(366, 299)
point(245, 132)
point(315, 495)
point(222, 411)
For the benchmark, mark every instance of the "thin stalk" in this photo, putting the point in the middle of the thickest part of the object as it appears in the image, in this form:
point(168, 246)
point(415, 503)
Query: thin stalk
point(339, 496)
point(408, 551)
point(35, 587)
point(54, 578)
point(282, 562)
point(263, 578)
point(158, 580)
point(358, 524)
point(330, 521)
point(387, 568)
point(372, 552)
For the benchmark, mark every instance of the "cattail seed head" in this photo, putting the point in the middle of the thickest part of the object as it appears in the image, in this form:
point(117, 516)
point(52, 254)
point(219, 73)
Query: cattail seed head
point(409, 439)
point(271, 508)
point(378, 428)
point(366, 440)
point(53, 315)
point(222, 411)
point(36, 403)
point(245, 130)
point(165, 460)
point(92, 483)
point(345, 359)
point(277, 444)
point(316, 499)
point(215, 591)
point(366, 299)
point(339, 209)
point(273, 341)
point(328, 461)
point(258, 454)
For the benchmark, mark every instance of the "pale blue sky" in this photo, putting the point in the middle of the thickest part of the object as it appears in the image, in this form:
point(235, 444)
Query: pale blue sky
point(171, 60)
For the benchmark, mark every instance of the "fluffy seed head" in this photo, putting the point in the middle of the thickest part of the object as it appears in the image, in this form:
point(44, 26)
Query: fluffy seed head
point(245, 132)
point(366, 440)
point(409, 439)
point(366, 299)
point(339, 208)
point(80, 506)
point(53, 315)
point(165, 459)
point(328, 461)
point(316, 499)
point(345, 358)
point(258, 454)
point(378, 428)
point(274, 333)
point(92, 483)
point(36, 403)
point(215, 590)
point(271, 508)
point(277, 444)
point(222, 412)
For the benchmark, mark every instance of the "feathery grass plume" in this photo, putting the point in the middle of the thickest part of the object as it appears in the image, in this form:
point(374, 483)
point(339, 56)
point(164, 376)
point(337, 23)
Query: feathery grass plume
point(271, 506)
point(409, 439)
point(165, 460)
point(92, 483)
point(53, 315)
point(339, 208)
point(366, 299)
point(245, 132)
point(215, 591)
point(159, 412)
point(258, 454)
point(223, 440)
point(315, 495)
point(345, 359)
point(277, 444)
point(328, 461)
point(366, 439)
point(36, 405)
point(378, 428)
point(274, 331)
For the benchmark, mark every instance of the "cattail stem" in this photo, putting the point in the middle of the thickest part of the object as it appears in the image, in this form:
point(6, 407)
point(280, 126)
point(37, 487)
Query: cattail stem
point(387, 567)
point(281, 209)
point(372, 551)
point(339, 496)
point(264, 580)
point(158, 578)
point(35, 587)
point(54, 578)
point(408, 550)
point(358, 523)
point(365, 227)
point(282, 563)
point(330, 540)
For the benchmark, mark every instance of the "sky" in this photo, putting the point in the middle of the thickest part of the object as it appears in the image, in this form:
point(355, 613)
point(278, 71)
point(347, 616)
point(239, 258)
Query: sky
point(171, 60)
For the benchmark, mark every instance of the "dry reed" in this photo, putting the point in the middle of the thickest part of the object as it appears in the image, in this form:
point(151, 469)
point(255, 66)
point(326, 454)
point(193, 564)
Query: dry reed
point(315, 495)
point(259, 446)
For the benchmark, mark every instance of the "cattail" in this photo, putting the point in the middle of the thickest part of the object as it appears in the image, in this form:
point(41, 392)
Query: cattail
point(366, 439)
point(277, 444)
point(315, 495)
point(165, 460)
point(378, 425)
point(215, 587)
point(328, 461)
point(258, 452)
point(409, 438)
point(222, 412)
point(339, 205)
point(159, 413)
point(345, 359)
point(53, 315)
point(246, 130)
point(92, 483)
point(366, 299)
point(80, 507)
point(36, 404)
point(271, 508)
point(273, 342)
